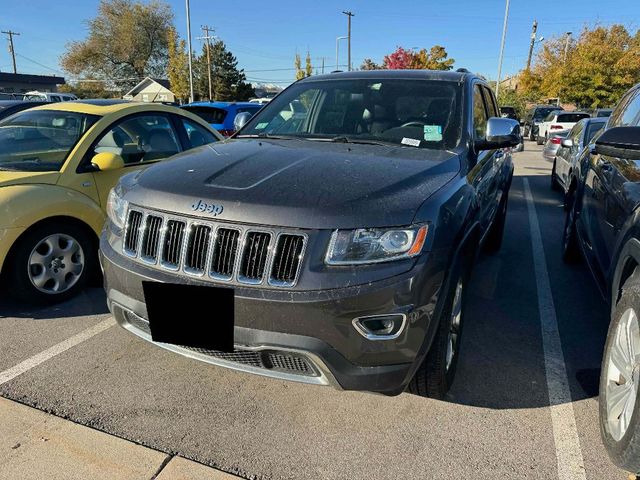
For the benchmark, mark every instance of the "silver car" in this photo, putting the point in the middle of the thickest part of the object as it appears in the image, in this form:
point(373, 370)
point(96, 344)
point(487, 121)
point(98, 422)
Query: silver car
point(553, 144)
point(569, 150)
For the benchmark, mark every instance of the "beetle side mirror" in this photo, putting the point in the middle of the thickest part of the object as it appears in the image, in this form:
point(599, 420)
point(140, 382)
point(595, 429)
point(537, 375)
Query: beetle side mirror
point(621, 142)
point(104, 161)
point(500, 133)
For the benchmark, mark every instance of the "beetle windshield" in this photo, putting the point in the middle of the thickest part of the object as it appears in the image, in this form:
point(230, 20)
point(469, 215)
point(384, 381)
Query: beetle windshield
point(412, 113)
point(40, 140)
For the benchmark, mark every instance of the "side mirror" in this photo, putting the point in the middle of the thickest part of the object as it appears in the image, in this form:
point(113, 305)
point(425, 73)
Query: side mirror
point(500, 133)
point(104, 161)
point(567, 143)
point(241, 120)
point(621, 142)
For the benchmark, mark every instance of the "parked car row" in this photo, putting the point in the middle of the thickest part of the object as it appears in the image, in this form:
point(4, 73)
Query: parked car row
point(597, 168)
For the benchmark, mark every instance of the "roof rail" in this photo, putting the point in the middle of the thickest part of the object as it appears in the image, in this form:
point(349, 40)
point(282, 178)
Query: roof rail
point(462, 70)
point(337, 71)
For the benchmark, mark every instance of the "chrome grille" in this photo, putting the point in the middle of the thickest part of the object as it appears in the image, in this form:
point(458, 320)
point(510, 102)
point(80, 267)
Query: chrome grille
point(286, 260)
point(220, 252)
point(132, 235)
point(254, 256)
point(197, 248)
point(225, 253)
point(172, 248)
point(151, 238)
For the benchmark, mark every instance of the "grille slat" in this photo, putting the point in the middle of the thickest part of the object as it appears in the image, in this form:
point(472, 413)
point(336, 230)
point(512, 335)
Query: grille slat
point(197, 248)
point(225, 251)
point(255, 256)
point(133, 232)
point(231, 254)
point(173, 243)
point(286, 260)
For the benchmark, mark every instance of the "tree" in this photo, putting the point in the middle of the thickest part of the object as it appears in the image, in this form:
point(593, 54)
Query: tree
point(228, 82)
point(308, 68)
point(600, 66)
point(178, 66)
point(434, 59)
point(300, 74)
point(368, 64)
point(127, 41)
point(511, 97)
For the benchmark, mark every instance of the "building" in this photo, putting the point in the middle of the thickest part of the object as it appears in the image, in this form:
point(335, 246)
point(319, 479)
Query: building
point(21, 83)
point(151, 90)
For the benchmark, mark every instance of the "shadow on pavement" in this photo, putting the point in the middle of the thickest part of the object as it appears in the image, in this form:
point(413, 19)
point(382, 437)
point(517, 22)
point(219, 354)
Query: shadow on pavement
point(502, 361)
point(90, 301)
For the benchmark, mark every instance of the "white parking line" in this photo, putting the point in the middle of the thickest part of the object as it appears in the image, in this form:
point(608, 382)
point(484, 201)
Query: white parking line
point(57, 349)
point(565, 433)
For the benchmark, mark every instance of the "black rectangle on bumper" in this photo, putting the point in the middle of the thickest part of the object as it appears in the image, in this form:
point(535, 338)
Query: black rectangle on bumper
point(306, 336)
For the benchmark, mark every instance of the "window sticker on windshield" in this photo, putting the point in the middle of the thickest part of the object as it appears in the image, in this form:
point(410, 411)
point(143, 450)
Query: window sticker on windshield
point(433, 133)
point(262, 126)
point(410, 141)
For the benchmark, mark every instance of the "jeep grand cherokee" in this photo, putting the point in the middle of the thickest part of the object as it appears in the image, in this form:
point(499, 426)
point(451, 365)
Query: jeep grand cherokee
point(329, 243)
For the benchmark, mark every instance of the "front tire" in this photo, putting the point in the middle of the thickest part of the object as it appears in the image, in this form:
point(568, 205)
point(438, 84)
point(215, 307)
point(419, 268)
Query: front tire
point(620, 379)
point(51, 263)
point(554, 181)
point(435, 376)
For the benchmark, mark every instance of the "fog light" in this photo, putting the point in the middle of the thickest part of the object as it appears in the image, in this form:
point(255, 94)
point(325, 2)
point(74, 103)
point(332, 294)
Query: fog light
point(380, 327)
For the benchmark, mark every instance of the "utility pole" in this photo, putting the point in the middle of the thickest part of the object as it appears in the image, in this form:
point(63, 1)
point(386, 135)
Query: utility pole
point(534, 29)
point(190, 52)
point(566, 46)
point(206, 38)
point(349, 14)
point(12, 51)
point(504, 36)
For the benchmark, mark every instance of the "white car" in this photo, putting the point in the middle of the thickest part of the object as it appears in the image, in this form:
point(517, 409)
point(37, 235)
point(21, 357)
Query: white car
point(556, 121)
point(49, 96)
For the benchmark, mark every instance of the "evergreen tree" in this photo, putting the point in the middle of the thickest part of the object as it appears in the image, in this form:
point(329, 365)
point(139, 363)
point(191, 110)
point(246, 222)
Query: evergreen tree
point(228, 82)
point(178, 66)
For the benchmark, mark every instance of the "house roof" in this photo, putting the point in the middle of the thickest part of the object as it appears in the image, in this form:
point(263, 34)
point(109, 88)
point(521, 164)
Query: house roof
point(147, 81)
point(35, 79)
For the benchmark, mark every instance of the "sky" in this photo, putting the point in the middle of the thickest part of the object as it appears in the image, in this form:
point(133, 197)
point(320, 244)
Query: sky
point(265, 36)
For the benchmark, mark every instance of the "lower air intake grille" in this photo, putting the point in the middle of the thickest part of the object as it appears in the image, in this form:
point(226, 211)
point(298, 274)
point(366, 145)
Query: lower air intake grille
point(133, 232)
point(254, 257)
point(173, 243)
point(287, 259)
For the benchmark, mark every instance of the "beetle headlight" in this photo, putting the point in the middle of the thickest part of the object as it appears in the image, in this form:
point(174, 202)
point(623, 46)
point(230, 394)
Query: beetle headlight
point(374, 245)
point(117, 207)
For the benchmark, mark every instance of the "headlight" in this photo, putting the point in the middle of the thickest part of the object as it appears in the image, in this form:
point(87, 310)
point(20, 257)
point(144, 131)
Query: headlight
point(117, 207)
point(374, 245)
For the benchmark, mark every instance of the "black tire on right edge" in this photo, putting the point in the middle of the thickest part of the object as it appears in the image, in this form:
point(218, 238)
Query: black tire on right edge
point(554, 182)
point(624, 452)
point(539, 140)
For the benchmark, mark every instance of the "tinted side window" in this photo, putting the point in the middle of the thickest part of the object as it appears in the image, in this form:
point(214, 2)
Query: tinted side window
point(141, 138)
point(492, 107)
point(479, 114)
point(593, 129)
point(627, 111)
point(197, 134)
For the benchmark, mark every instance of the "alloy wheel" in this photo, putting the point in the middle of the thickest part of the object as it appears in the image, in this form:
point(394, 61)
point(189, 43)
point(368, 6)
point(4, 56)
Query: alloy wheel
point(56, 263)
point(622, 374)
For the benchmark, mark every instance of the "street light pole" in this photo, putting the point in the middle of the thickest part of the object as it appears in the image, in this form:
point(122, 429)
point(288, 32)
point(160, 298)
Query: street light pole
point(338, 49)
point(189, 47)
point(566, 46)
point(504, 37)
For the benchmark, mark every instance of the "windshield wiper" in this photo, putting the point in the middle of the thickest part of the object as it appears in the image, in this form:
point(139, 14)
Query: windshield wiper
point(267, 135)
point(364, 141)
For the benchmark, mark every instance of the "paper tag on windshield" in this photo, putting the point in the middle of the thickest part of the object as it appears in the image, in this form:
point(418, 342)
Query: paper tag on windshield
point(433, 133)
point(262, 125)
point(410, 141)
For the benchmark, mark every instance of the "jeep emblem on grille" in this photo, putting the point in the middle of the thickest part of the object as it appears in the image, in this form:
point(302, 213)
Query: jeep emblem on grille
point(212, 208)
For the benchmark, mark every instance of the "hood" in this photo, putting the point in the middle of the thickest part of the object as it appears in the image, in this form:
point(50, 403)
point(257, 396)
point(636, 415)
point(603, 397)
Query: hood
point(8, 178)
point(297, 183)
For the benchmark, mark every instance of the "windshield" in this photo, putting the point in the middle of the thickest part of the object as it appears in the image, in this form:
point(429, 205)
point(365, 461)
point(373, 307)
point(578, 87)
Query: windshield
point(572, 117)
point(208, 114)
point(540, 113)
point(40, 140)
point(414, 113)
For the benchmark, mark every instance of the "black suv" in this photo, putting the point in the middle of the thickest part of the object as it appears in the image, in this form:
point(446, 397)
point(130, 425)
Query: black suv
point(603, 222)
point(329, 243)
point(534, 117)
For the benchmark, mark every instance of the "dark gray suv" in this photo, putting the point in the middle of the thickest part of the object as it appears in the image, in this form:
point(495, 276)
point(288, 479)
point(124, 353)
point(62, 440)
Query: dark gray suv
point(329, 242)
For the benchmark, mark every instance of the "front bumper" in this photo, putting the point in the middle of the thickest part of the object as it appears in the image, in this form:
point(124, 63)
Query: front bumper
point(311, 330)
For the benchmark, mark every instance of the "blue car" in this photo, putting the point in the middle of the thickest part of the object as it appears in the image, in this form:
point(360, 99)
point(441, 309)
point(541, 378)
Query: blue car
point(220, 115)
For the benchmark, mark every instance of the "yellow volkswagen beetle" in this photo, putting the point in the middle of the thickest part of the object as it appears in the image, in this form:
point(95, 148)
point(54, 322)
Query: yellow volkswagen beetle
point(57, 165)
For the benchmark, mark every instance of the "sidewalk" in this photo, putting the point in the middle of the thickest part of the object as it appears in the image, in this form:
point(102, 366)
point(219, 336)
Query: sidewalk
point(36, 445)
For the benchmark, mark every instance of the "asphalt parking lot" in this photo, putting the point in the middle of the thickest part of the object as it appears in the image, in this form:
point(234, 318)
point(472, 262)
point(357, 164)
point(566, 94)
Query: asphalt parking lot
point(497, 422)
